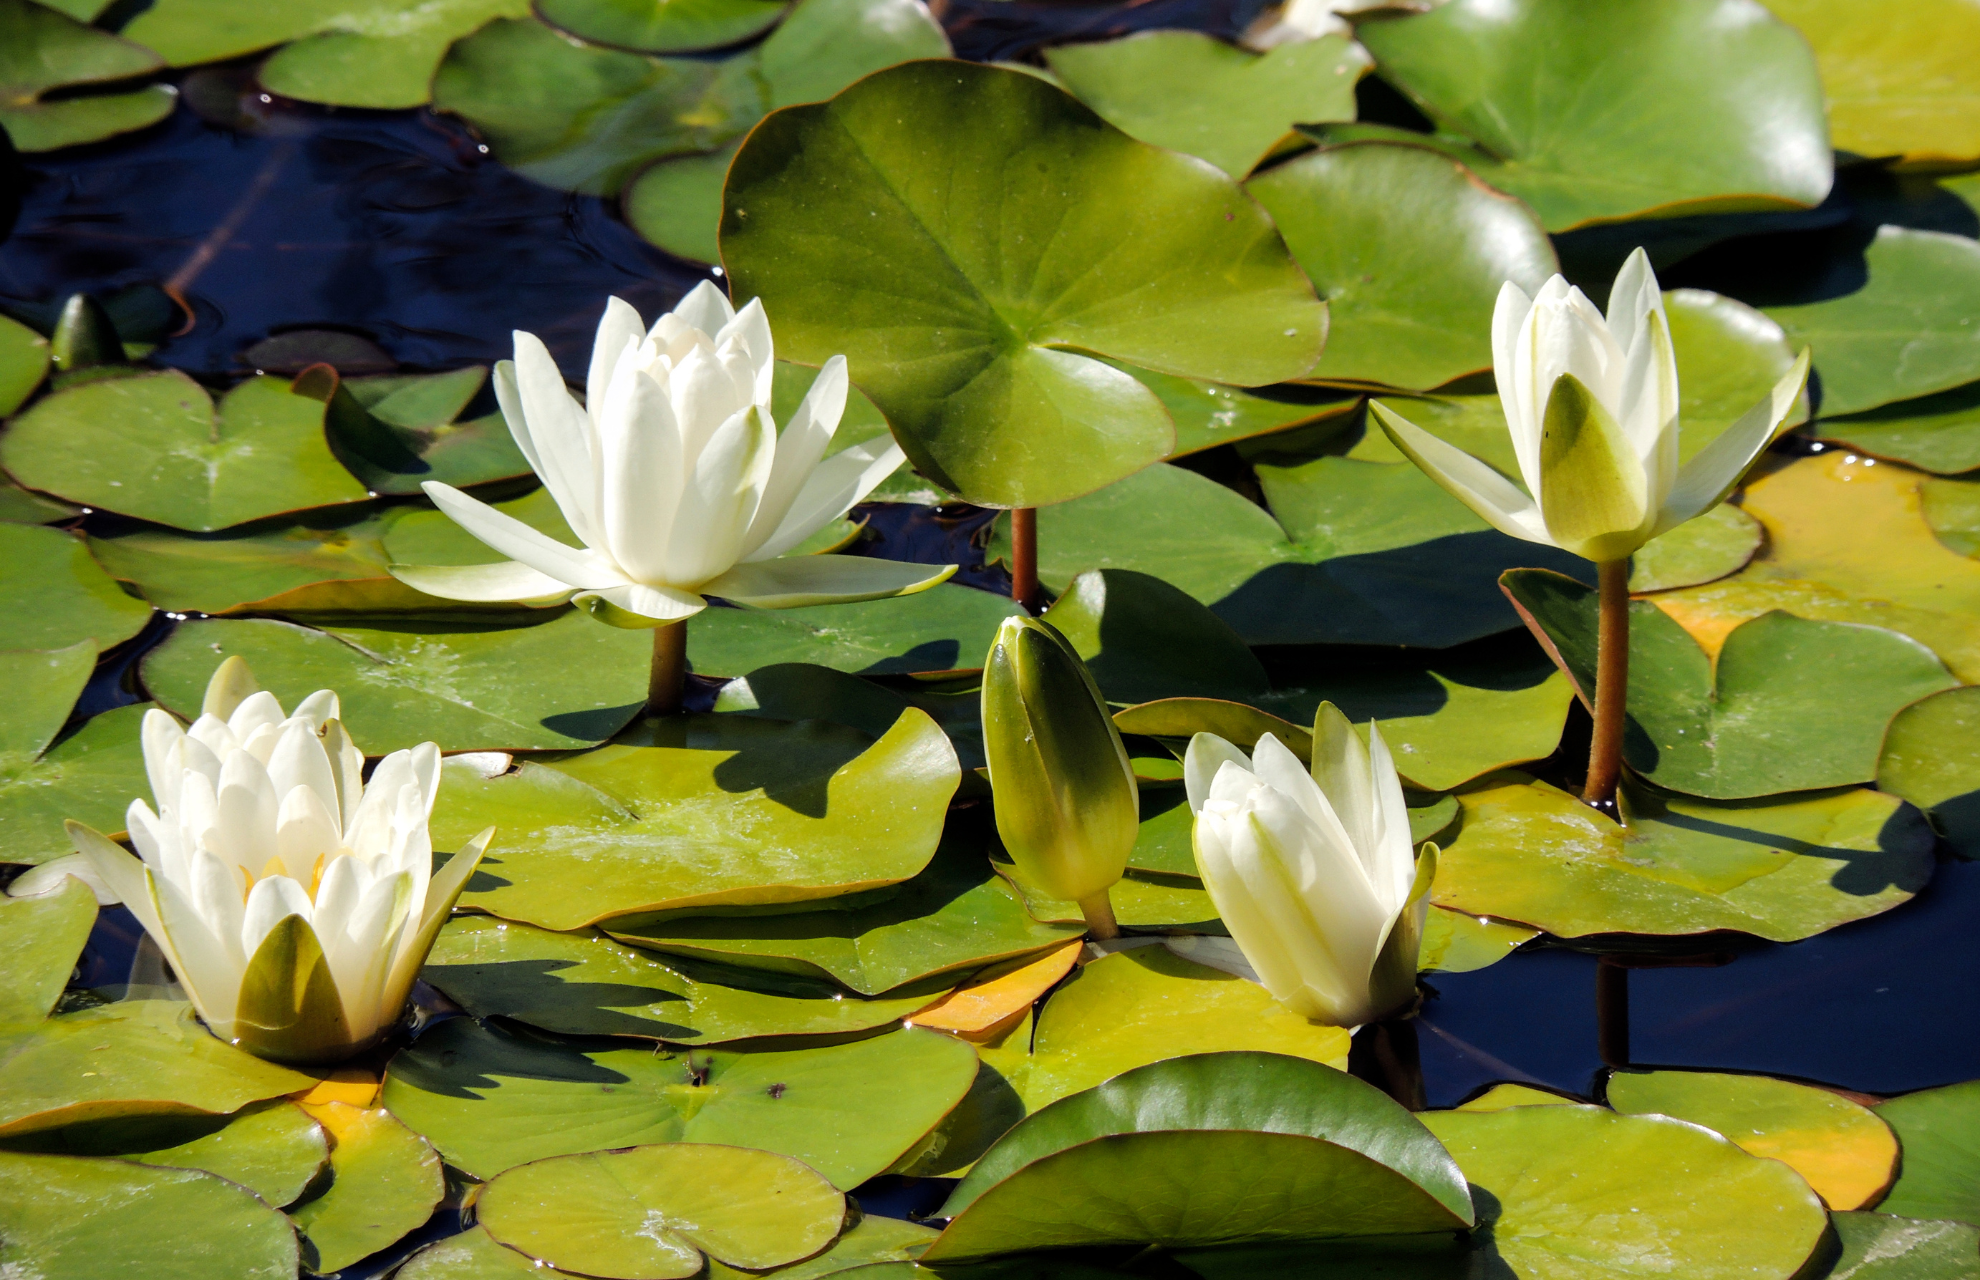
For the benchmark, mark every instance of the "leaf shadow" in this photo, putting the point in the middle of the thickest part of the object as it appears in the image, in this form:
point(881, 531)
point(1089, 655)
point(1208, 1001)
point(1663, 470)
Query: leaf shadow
point(529, 991)
point(1902, 859)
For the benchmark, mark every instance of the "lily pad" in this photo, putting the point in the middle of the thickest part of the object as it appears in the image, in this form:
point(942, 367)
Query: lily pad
point(142, 1057)
point(1409, 249)
point(1782, 869)
point(1454, 942)
point(91, 776)
point(274, 1149)
point(1621, 111)
point(72, 1216)
point(43, 50)
point(1939, 1131)
point(22, 506)
point(1189, 92)
point(40, 939)
point(398, 431)
point(55, 595)
point(1141, 899)
point(1876, 1246)
point(1144, 639)
point(945, 628)
point(564, 681)
point(491, 1098)
point(1844, 1151)
point(1268, 1148)
point(956, 332)
point(1570, 1188)
point(1931, 757)
point(663, 26)
point(1716, 544)
point(703, 811)
point(1208, 414)
point(586, 984)
point(1939, 433)
point(870, 1240)
point(23, 361)
point(651, 1213)
point(676, 204)
point(1908, 332)
point(1760, 719)
point(473, 1255)
point(153, 446)
point(385, 1180)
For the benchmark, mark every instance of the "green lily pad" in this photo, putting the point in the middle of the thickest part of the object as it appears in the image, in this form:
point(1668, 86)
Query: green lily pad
point(1718, 543)
point(703, 811)
point(385, 1180)
point(1782, 869)
point(152, 446)
point(1144, 639)
point(1208, 414)
point(1622, 111)
point(55, 594)
point(676, 204)
point(23, 362)
point(1142, 899)
point(91, 776)
point(1876, 1246)
point(398, 431)
point(134, 1057)
point(651, 1213)
point(1454, 942)
point(1939, 433)
point(564, 681)
point(1409, 249)
point(1951, 508)
point(1275, 1149)
point(1571, 1188)
point(1844, 1151)
point(40, 940)
point(945, 628)
point(1146, 1004)
point(1759, 720)
point(72, 1216)
point(957, 334)
point(803, 691)
point(663, 26)
point(956, 914)
point(473, 1255)
point(22, 506)
point(46, 683)
point(491, 1098)
point(1931, 757)
point(1195, 94)
point(1908, 332)
point(586, 984)
point(1939, 1131)
point(43, 50)
point(1729, 356)
point(1415, 1257)
point(272, 1148)
point(1501, 1096)
point(868, 1241)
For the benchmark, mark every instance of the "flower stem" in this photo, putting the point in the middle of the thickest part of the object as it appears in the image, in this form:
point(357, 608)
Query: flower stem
point(667, 684)
point(1099, 913)
point(1024, 556)
point(1611, 684)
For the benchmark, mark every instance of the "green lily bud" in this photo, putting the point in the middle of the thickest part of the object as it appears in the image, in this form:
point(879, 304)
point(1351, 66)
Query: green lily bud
point(1067, 808)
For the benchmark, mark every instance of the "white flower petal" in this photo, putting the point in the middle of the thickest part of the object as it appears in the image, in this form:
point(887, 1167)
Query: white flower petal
point(705, 308)
point(563, 448)
point(272, 900)
point(483, 583)
point(794, 581)
point(571, 566)
point(1206, 755)
point(830, 491)
point(644, 476)
point(618, 328)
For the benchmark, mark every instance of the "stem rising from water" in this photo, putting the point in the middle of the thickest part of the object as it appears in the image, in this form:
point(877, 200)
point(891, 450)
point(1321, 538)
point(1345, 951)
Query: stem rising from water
point(1024, 556)
point(1611, 684)
point(667, 685)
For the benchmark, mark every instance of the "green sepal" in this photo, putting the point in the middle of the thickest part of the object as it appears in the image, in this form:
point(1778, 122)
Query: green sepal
point(1392, 982)
point(1594, 494)
point(289, 1008)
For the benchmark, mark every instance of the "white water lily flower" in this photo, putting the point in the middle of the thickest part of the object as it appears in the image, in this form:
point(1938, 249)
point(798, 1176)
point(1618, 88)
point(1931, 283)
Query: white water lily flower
point(1312, 872)
point(1592, 404)
point(674, 477)
point(295, 901)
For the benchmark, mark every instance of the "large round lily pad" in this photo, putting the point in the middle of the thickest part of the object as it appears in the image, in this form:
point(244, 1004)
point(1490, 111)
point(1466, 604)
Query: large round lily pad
point(1568, 1190)
point(491, 1098)
point(1409, 249)
point(274, 1149)
point(1939, 1131)
point(40, 939)
point(55, 594)
point(385, 1180)
point(1939, 432)
point(1782, 869)
point(41, 50)
point(1205, 1150)
point(1931, 757)
point(1630, 109)
point(90, 776)
point(954, 278)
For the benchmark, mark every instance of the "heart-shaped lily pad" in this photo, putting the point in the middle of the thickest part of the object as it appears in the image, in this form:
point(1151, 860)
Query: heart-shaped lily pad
point(23, 362)
point(563, 681)
point(941, 629)
point(704, 811)
point(1933, 433)
point(586, 984)
point(43, 50)
point(954, 304)
point(385, 1180)
point(20, 506)
point(1189, 92)
point(1564, 1187)
point(55, 594)
point(153, 446)
point(1409, 249)
point(491, 1098)
point(1760, 719)
point(1931, 757)
point(1939, 1132)
point(1141, 899)
point(663, 26)
point(1782, 870)
point(651, 1213)
point(1619, 111)
point(40, 939)
point(1275, 1149)
point(473, 1255)
point(274, 1149)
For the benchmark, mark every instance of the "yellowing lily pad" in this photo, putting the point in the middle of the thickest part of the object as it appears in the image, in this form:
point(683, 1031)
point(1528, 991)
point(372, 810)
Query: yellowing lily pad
point(1931, 757)
point(1939, 1133)
point(385, 1180)
point(1454, 942)
point(999, 993)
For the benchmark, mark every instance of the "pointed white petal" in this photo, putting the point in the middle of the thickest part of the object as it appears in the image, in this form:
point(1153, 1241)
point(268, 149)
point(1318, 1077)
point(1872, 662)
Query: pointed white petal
point(123, 874)
point(1633, 298)
point(643, 475)
point(1392, 868)
point(637, 605)
point(50, 876)
point(257, 711)
point(506, 580)
point(720, 498)
point(244, 824)
point(1495, 498)
point(705, 308)
point(794, 581)
point(160, 735)
point(831, 490)
point(299, 760)
point(516, 540)
point(272, 900)
point(751, 329)
point(1508, 318)
point(1207, 753)
point(305, 830)
point(1714, 471)
point(561, 436)
point(618, 328)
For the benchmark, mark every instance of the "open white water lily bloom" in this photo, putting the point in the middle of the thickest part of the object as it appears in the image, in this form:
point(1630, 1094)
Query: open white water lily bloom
point(1592, 404)
point(1312, 872)
point(295, 902)
point(674, 477)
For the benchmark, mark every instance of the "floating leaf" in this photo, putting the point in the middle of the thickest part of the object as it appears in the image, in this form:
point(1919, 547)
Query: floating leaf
point(1189, 92)
point(491, 1098)
point(43, 50)
point(40, 940)
point(1566, 1188)
point(663, 26)
point(703, 811)
point(586, 984)
point(153, 446)
point(1141, 899)
point(91, 776)
point(399, 431)
point(1879, 1247)
point(1454, 942)
point(1000, 993)
point(676, 203)
point(473, 1255)
point(1782, 869)
point(1846, 1153)
point(385, 1180)
point(956, 331)
point(1144, 639)
point(1409, 249)
point(564, 681)
point(941, 629)
point(20, 506)
point(273, 1148)
point(23, 359)
point(1439, 1256)
point(72, 1216)
point(1625, 110)
point(1208, 414)
point(1931, 757)
point(1757, 720)
point(1939, 1132)
point(868, 1241)
point(55, 595)
point(1706, 549)
point(1938, 433)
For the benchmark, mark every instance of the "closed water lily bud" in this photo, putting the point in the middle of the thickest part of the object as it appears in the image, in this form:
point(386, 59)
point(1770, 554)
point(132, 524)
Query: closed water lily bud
point(1066, 803)
point(1312, 871)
